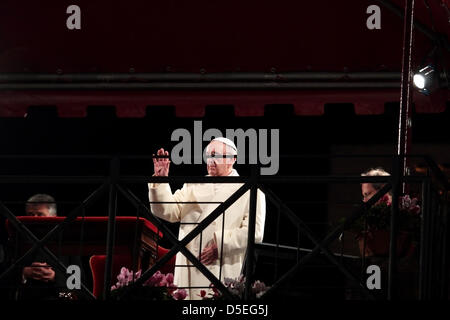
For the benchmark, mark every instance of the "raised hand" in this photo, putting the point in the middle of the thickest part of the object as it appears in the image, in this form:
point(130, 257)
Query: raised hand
point(161, 165)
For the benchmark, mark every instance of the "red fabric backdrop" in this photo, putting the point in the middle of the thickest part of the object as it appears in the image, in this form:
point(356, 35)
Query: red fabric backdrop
point(202, 36)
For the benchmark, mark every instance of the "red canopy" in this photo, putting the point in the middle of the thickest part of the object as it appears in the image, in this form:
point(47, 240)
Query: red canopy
point(192, 54)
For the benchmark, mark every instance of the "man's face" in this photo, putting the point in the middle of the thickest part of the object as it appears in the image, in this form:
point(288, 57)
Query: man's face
point(38, 210)
point(218, 166)
point(367, 191)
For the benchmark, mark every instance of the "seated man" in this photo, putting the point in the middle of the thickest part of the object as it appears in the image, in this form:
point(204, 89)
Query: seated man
point(39, 280)
point(203, 199)
point(407, 263)
point(368, 190)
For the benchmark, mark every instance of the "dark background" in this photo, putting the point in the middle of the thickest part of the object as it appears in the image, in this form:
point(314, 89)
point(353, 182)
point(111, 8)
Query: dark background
point(133, 38)
point(42, 132)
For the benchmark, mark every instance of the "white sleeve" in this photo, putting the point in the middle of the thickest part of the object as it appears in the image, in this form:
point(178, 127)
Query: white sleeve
point(170, 210)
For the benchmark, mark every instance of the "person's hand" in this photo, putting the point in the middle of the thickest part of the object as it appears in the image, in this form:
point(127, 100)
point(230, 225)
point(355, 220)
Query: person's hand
point(210, 253)
point(161, 165)
point(39, 271)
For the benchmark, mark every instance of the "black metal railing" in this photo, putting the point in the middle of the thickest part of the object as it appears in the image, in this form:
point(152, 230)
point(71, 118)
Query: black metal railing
point(433, 259)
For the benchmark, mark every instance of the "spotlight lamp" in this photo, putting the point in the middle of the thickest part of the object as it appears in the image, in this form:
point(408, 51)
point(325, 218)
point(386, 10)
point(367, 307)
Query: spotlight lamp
point(423, 79)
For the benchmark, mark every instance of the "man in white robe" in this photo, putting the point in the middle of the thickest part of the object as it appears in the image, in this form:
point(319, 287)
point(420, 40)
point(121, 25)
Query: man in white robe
point(204, 198)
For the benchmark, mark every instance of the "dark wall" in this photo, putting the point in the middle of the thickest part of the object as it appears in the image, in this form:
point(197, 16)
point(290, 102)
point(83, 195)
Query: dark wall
point(101, 133)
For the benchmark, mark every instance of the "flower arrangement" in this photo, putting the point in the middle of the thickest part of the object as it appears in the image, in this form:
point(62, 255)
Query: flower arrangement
point(378, 217)
point(158, 287)
point(372, 229)
point(236, 288)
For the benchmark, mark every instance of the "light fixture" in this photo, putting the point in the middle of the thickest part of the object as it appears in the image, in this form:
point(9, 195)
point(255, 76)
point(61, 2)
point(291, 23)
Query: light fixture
point(424, 79)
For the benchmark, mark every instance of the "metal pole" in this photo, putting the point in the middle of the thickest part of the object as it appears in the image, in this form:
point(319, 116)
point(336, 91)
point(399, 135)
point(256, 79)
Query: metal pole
point(112, 210)
point(445, 249)
point(251, 233)
point(392, 266)
point(194, 77)
point(403, 145)
point(404, 125)
point(433, 277)
point(253, 85)
point(424, 242)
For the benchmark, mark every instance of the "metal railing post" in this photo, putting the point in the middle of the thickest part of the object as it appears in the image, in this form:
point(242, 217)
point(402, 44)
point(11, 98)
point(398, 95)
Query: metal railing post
point(251, 232)
point(112, 210)
point(392, 266)
point(424, 242)
point(445, 248)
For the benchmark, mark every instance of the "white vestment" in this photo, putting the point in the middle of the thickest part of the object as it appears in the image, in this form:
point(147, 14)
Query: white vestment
point(189, 215)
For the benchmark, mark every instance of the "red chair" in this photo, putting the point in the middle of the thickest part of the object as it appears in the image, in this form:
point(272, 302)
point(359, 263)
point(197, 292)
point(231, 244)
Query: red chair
point(97, 265)
point(169, 267)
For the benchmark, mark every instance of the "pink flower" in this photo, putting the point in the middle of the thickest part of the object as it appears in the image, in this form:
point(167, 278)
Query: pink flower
point(137, 275)
point(155, 280)
point(125, 277)
point(415, 210)
point(414, 207)
point(163, 282)
point(158, 279)
point(385, 199)
point(169, 278)
point(216, 293)
point(180, 294)
point(409, 205)
point(259, 288)
point(237, 288)
point(171, 288)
